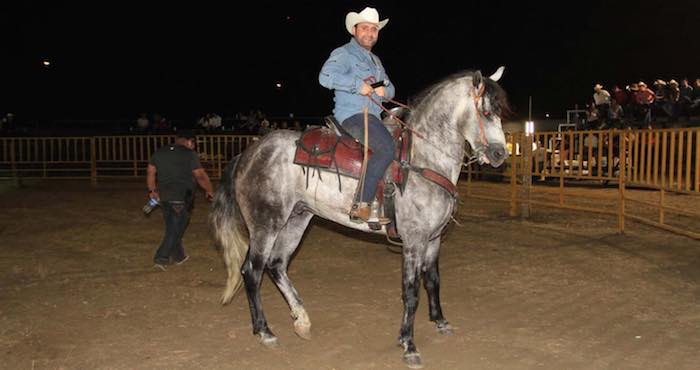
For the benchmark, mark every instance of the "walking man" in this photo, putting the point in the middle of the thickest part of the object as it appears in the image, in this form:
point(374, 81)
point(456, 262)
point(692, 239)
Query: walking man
point(171, 176)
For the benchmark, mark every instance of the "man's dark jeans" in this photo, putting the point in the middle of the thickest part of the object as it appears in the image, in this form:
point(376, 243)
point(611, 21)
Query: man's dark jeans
point(176, 215)
point(382, 145)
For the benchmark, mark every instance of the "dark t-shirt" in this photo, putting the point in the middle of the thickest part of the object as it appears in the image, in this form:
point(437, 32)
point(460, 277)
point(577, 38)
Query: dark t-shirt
point(174, 165)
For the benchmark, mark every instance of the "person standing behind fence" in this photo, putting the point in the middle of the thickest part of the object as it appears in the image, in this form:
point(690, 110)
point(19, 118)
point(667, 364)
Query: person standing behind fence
point(601, 99)
point(171, 176)
point(685, 99)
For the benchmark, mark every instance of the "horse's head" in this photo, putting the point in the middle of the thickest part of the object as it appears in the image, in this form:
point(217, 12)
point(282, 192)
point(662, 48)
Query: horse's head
point(484, 131)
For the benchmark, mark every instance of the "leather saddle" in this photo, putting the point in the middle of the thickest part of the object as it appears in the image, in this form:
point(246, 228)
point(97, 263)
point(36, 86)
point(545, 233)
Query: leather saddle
point(331, 149)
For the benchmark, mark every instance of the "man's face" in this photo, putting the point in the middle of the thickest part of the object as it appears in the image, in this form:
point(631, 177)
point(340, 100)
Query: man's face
point(366, 34)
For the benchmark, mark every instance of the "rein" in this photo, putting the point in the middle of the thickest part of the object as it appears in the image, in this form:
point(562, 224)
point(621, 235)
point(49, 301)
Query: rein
point(482, 135)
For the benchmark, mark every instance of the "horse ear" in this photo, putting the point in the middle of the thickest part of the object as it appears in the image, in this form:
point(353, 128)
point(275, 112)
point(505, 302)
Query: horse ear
point(497, 75)
point(476, 79)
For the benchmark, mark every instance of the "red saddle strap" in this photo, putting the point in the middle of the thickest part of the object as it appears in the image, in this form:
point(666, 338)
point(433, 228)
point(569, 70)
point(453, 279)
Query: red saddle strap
point(437, 178)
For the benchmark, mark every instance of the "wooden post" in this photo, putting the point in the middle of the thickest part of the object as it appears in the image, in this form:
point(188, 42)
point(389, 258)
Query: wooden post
point(13, 164)
point(623, 170)
point(562, 154)
point(93, 162)
point(513, 188)
point(526, 145)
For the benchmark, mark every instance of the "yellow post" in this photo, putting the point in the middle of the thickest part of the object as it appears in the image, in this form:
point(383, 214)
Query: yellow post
point(623, 170)
point(93, 162)
point(513, 188)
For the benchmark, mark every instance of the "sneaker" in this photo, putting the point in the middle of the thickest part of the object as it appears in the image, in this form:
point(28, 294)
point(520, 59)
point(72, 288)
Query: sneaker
point(160, 267)
point(180, 262)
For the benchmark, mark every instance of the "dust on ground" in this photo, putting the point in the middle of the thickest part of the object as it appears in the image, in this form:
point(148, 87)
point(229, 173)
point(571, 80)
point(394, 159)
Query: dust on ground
point(561, 290)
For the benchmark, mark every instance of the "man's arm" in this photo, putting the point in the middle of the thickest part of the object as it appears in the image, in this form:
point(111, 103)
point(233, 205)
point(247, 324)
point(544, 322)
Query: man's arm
point(151, 181)
point(336, 74)
point(203, 181)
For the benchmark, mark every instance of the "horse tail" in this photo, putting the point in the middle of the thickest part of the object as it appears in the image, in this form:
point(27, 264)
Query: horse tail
point(230, 231)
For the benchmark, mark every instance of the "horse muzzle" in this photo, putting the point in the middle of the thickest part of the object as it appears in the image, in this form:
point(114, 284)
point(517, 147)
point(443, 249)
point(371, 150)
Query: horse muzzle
point(494, 155)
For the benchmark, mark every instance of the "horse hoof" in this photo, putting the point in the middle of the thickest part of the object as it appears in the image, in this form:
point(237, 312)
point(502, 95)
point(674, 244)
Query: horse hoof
point(268, 341)
point(303, 331)
point(445, 329)
point(412, 360)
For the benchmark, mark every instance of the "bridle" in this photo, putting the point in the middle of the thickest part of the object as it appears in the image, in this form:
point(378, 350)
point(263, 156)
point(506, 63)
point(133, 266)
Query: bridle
point(471, 158)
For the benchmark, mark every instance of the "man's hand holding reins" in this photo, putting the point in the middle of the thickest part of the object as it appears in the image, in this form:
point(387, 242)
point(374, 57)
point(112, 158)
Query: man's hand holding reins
point(367, 90)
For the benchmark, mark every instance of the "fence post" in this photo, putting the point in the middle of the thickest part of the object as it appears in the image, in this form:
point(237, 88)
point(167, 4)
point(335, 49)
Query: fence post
point(13, 164)
point(526, 147)
point(93, 162)
point(513, 182)
point(621, 181)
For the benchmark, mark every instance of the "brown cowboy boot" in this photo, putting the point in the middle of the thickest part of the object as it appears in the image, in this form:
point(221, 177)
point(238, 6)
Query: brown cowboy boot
point(362, 212)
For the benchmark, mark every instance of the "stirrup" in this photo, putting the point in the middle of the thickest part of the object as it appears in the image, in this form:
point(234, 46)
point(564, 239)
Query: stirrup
point(362, 212)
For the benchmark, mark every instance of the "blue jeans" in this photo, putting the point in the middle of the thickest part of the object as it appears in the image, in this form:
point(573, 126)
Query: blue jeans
point(382, 145)
point(176, 215)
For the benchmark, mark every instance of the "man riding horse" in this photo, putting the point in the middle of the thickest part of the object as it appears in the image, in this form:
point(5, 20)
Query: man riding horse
point(351, 71)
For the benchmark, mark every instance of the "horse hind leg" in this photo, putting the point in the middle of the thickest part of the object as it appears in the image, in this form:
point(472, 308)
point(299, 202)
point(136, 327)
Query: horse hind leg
point(285, 245)
point(252, 270)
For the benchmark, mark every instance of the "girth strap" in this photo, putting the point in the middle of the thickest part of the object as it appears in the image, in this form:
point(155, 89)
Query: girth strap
point(436, 178)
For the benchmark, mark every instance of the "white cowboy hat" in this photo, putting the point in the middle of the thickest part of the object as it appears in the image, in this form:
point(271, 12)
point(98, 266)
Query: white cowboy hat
point(597, 86)
point(368, 15)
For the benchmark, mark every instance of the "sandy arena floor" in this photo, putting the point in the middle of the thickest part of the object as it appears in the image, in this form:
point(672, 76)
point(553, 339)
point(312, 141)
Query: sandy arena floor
point(559, 291)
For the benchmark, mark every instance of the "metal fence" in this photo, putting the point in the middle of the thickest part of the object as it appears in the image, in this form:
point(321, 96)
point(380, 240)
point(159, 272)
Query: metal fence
point(667, 160)
point(105, 156)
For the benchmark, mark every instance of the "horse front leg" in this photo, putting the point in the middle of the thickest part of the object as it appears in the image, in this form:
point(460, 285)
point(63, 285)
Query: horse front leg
point(285, 245)
point(431, 282)
point(410, 284)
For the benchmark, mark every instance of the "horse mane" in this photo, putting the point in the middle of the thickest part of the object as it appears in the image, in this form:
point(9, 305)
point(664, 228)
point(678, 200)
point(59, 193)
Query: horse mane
point(496, 94)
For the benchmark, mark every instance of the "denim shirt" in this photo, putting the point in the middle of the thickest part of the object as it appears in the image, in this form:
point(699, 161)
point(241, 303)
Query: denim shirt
point(348, 67)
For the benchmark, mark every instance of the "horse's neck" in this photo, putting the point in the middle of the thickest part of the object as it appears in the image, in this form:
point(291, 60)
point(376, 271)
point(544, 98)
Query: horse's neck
point(442, 146)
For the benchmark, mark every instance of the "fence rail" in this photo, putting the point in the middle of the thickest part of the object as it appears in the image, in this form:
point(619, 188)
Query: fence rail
point(667, 160)
point(103, 156)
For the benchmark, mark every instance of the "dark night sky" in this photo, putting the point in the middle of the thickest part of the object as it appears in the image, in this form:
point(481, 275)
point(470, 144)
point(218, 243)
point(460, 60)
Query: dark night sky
point(112, 61)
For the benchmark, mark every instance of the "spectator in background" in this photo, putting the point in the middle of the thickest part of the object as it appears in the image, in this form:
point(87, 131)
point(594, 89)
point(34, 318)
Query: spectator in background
point(592, 116)
point(160, 124)
point(7, 125)
point(674, 94)
point(210, 121)
point(619, 95)
point(661, 100)
point(685, 99)
point(264, 127)
point(616, 115)
point(214, 121)
point(633, 109)
point(696, 97)
point(142, 123)
point(296, 126)
point(601, 98)
point(645, 98)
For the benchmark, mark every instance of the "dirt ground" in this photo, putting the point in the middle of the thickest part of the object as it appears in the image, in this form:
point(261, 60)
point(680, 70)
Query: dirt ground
point(559, 291)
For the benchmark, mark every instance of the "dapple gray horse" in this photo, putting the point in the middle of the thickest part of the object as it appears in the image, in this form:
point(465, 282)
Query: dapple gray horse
point(264, 205)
